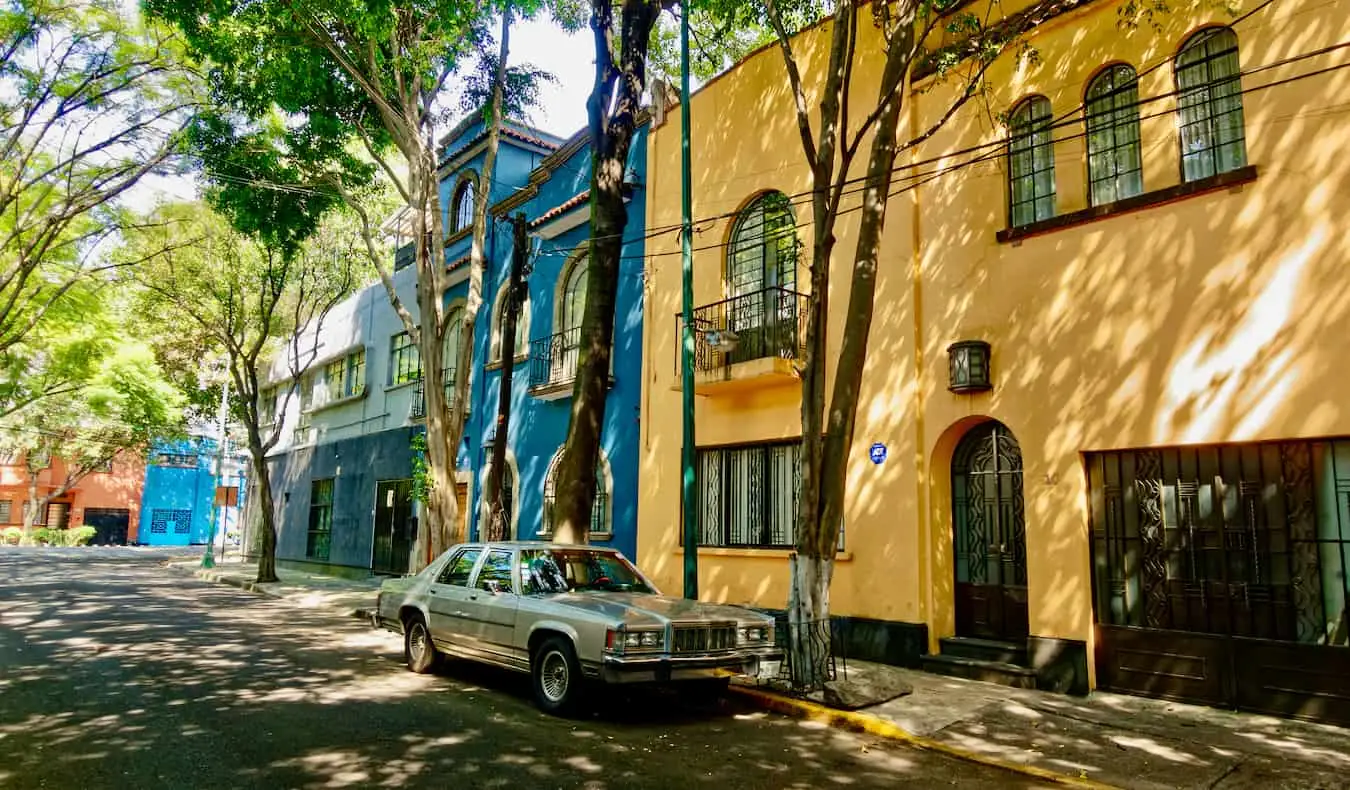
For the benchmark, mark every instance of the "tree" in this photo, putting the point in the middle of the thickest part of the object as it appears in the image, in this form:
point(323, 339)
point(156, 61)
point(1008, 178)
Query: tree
point(614, 110)
point(832, 140)
point(91, 102)
point(257, 306)
point(118, 410)
point(374, 72)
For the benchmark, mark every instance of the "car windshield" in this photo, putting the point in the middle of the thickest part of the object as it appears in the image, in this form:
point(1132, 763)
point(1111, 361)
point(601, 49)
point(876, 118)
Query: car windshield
point(544, 571)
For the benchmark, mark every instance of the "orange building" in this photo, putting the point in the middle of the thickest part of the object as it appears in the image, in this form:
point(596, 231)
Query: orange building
point(108, 499)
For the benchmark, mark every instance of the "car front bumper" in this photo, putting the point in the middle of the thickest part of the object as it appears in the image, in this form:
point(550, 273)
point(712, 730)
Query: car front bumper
point(667, 668)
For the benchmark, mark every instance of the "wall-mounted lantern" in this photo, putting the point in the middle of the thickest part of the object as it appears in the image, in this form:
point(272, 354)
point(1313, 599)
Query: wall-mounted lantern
point(968, 367)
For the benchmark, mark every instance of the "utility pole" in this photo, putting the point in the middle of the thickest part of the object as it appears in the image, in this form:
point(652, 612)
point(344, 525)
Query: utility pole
point(687, 489)
point(209, 558)
point(499, 522)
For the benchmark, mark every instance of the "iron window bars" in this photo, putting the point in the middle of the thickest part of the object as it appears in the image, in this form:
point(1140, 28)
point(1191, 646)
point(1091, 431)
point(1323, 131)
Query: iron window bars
point(318, 541)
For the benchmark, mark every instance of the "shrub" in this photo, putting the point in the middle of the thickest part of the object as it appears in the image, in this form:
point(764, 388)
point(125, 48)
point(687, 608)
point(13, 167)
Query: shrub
point(80, 536)
point(44, 535)
point(11, 535)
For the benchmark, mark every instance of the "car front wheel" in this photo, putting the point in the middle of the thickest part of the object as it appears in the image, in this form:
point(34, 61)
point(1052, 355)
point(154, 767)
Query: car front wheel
point(557, 677)
point(418, 649)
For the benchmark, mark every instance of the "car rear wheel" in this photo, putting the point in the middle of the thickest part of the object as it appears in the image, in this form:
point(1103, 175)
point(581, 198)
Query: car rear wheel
point(418, 650)
point(557, 676)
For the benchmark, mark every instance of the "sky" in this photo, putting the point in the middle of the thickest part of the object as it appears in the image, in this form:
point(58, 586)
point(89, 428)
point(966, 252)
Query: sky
point(538, 43)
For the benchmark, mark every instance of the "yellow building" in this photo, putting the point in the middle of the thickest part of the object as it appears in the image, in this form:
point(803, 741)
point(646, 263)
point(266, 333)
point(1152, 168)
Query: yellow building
point(1152, 492)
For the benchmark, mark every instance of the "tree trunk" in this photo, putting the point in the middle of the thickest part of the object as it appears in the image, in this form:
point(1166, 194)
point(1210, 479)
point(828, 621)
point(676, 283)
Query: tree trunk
point(809, 633)
point(611, 138)
point(499, 521)
point(262, 478)
point(30, 515)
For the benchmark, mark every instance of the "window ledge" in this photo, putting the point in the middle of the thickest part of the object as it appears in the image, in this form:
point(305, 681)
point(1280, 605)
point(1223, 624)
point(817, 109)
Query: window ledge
point(401, 385)
point(1233, 178)
point(497, 365)
point(714, 551)
point(333, 404)
point(458, 235)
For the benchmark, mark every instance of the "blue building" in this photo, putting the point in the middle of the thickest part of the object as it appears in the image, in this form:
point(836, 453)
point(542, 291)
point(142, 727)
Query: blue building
point(180, 483)
point(342, 471)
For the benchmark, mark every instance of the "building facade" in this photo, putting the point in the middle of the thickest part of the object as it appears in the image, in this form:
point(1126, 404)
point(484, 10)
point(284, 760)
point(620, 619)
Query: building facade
point(178, 502)
point(107, 499)
point(343, 468)
point(1098, 443)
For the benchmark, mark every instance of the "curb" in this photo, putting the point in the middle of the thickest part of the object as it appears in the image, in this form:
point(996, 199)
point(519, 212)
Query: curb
point(871, 725)
point(216, 577)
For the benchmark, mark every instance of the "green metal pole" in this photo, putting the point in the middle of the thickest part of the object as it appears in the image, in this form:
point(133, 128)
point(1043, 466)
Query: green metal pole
point(689, 511)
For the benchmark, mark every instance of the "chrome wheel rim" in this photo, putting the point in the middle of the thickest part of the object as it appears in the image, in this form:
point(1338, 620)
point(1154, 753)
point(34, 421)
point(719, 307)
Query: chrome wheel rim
point(417, 642)
point(553, 676)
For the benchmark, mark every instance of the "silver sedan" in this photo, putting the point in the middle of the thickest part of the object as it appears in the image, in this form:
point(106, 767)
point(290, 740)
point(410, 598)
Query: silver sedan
point(567, 615)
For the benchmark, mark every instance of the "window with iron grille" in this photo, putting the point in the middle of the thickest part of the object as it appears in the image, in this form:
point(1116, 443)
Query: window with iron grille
point(405, 361)
point(1115, 169)
point(763, 249)
point(176, 460)
point(267, 406)
point(164, 519)
point(1209, 105)
point(319, 540)
point(1031, 162)
point(600, 515)
point(747, 496)
point(6, 506)
point(307, 392)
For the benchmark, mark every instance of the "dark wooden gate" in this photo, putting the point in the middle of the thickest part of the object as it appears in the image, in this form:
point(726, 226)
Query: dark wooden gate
point(110, 524)
point(393, 527)
point(1219, 574)
point(990, 535)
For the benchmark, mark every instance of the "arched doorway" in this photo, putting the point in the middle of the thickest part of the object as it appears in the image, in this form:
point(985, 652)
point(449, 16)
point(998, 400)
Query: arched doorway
point(990, 535)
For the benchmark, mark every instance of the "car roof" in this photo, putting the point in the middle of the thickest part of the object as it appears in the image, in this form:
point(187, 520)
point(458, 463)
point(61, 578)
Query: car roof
point(537, 545)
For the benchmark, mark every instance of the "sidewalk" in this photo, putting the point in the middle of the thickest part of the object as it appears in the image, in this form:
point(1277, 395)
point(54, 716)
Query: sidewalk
point(1113, 739)
point(354, 597)
point(1104, 738)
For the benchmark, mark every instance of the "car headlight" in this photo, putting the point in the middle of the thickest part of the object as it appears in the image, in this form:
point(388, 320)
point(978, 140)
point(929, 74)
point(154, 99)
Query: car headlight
point(753, 635)
point(628, 641)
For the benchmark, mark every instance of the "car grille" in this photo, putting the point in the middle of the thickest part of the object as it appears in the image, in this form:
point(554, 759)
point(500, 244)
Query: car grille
point(704, 638)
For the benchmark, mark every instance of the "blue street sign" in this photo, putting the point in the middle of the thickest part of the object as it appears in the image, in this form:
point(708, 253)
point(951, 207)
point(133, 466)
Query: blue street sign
point(877, 452)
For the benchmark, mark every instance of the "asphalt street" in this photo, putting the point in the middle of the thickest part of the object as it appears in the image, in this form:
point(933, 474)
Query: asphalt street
point(116, 672)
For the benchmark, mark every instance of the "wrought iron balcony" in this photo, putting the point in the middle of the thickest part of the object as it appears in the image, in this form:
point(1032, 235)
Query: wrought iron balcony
point(769, 324)
point(553, 363)
point(417, 407)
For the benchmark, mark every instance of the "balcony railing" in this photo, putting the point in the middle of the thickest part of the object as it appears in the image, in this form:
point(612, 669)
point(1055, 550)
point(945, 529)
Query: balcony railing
point(417, 408)
point(765, 324)
point(553, 359)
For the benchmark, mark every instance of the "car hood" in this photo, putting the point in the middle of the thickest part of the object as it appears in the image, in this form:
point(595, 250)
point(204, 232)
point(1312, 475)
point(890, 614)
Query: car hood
point(638, 608)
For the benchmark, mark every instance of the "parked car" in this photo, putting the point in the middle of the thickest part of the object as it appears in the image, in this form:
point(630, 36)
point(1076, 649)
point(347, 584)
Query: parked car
point(567, 615)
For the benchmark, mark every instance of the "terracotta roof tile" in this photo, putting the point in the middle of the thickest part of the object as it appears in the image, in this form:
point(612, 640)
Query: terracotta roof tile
point(563, 208)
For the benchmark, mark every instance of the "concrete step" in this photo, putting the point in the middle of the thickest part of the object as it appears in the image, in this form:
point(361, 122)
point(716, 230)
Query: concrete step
point(974, 669)
point(985, 650)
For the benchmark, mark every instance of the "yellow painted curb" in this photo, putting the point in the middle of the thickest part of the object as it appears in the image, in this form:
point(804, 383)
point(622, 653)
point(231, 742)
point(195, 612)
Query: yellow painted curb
point(871, 725)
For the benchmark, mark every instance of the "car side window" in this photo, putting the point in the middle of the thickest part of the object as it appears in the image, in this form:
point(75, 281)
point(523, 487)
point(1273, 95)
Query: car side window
point(458, 569)
point(497, 568)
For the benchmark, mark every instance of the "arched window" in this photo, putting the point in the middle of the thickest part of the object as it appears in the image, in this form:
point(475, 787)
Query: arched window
point(573, 303)
point(462, 207)
point(1209, 103)
point(1031, 163)
point(1115, 170)
point(510, 494)
point(763, 250)
point(450, 347)
point(601, 517)
point(498, 317)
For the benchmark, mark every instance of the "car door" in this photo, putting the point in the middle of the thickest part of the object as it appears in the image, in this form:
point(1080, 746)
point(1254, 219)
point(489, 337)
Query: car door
point(446, 599)
point(492, 607)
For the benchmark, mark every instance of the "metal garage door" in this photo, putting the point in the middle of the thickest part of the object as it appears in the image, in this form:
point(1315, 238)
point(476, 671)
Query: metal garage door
point(1219, 574)
point(111, 525)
